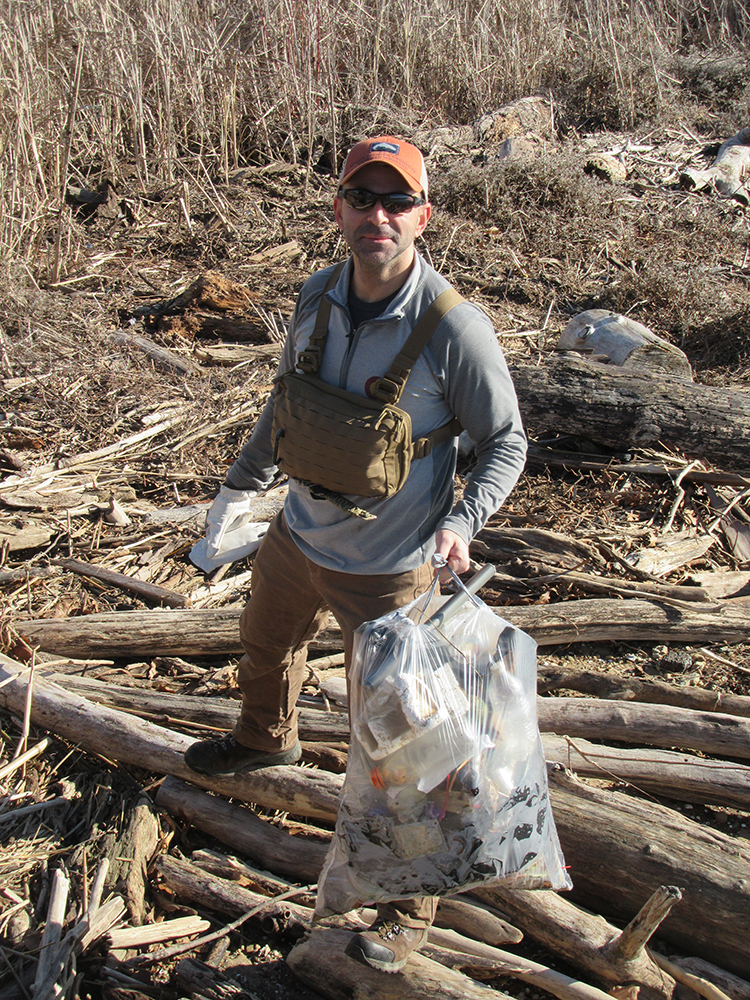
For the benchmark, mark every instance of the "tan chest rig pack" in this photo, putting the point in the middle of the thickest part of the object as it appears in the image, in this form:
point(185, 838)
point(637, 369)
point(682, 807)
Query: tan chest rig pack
point(338, 442)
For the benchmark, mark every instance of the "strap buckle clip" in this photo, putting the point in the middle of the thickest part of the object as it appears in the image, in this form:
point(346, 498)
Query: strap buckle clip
point(387, 389)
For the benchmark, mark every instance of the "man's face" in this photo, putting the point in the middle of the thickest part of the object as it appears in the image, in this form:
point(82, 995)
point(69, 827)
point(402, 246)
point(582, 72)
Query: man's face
point(380, 241)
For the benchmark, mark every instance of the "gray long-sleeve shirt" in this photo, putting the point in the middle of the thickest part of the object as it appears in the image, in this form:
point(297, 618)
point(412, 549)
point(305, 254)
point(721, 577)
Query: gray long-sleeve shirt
point(460, 372)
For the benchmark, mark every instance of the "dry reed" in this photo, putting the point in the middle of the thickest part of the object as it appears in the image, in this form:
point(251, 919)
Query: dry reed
point(162, 90)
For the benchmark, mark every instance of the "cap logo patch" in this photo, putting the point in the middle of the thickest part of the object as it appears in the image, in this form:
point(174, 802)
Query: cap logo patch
point(385, 147)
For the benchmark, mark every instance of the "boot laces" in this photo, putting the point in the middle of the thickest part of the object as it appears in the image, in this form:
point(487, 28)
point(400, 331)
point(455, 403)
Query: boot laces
point(389, 929)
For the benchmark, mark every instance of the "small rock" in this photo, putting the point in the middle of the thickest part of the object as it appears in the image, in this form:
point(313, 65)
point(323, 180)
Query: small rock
point(676, 659)
point(18, 928)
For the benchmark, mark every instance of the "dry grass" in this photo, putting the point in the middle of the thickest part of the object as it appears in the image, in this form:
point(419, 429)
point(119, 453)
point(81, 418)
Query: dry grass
point(159, 92)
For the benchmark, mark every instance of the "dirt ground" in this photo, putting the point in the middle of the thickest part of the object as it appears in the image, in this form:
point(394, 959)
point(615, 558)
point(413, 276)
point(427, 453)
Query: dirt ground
point(534, 240)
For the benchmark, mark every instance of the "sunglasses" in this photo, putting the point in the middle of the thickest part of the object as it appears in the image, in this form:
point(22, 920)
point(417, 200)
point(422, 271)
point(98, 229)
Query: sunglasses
point(395, 203)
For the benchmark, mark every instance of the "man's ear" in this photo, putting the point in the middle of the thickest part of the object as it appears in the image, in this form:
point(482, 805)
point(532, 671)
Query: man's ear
point(425, 211)
point(337, 210)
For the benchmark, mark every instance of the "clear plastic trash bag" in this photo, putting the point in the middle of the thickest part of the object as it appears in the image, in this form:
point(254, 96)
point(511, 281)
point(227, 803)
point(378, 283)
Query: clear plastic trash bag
point(446, 783)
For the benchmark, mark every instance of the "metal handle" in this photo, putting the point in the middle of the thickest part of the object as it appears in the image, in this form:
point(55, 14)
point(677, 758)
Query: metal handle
point(452, 605)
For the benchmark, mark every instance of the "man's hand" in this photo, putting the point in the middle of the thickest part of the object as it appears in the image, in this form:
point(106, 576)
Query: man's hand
point(455, 550)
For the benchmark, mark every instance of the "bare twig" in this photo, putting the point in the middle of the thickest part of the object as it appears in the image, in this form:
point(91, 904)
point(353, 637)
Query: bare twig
point(20, 749)
point(52, 933)
point(169, 953)
point(24, 758)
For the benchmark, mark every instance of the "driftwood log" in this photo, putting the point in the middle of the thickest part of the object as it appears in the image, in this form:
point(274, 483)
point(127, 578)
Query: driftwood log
point(620, 849)
point(651, 725)
point(224, 896)
point(626, 409)
point(652, 691)
point(299, 858)
point(717, 734)
point(149, 591)
point(162, 357)
point(601, 950)
point(162, 707)
point(678, 776)
point(215, 632)
point(728, 173)
point(661, 772)
point(301, 791)
point(623, 342)
point(473, 919)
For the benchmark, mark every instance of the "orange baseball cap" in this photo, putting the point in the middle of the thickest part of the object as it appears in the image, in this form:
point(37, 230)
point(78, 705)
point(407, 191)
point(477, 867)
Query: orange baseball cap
point(400, 155)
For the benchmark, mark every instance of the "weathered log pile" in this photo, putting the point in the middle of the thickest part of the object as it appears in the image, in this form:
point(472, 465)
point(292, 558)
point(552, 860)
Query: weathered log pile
point(635, 860)
point(642, 771)
point(629, 757)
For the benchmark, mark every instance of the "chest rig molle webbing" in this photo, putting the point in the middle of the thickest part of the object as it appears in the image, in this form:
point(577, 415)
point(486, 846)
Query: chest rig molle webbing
point(345, 443)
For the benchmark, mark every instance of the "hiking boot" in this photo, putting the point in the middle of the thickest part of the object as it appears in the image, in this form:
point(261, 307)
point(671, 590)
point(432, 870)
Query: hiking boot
point(386, 945)
point(227, 756)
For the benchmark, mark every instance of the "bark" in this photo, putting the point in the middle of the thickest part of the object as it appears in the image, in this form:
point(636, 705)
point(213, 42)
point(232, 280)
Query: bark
point(215, 632)
point(191, 883)
point(624, 342)
point(296, 858)
point(620, 849)
point(301, 791)
point(320, 962)
point(537, 544)
point(652, 691)
point(729, 171)
point(149, 591)
point(584, 939)
point(626, 409)
point(129, 853)
point(677, 776)
point(163, 707)
point(651, 725)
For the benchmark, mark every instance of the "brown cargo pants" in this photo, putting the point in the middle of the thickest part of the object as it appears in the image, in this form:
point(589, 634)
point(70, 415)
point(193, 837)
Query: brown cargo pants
point(290, 601)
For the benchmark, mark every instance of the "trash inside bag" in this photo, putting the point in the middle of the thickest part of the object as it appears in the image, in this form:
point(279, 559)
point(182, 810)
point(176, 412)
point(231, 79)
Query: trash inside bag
point(446, 783)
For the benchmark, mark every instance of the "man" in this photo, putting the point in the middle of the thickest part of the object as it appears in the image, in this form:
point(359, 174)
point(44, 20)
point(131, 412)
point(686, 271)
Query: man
point(318, 557)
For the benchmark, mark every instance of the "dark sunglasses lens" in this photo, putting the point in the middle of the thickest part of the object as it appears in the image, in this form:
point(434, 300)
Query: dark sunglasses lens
point(394, 203)
point(363, 200)
point(359, 199)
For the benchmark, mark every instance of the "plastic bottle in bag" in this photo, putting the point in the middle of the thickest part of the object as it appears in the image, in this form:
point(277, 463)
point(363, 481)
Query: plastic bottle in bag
point(426, 760)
